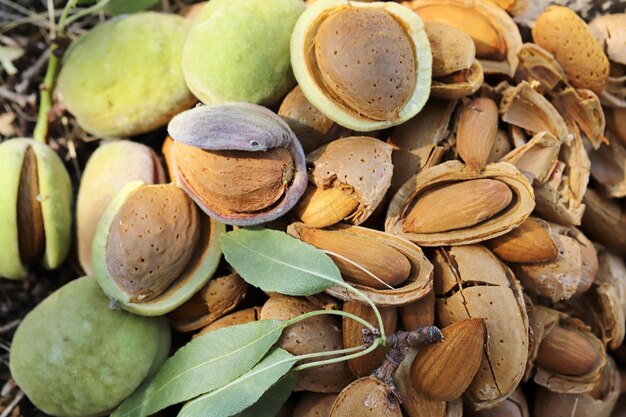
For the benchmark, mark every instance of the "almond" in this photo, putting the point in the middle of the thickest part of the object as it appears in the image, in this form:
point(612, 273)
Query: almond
point(567, 352)
point(560, 31)
point(457, 205)
point(383, 261)
point(443, 371)
point(530, 242)
point(476, 134)
point(320, 207)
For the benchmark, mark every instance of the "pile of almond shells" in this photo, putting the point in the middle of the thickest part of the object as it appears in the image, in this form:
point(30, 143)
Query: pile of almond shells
point(494, 213)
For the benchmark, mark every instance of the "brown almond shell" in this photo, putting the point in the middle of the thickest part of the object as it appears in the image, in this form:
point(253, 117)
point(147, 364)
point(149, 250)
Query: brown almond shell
point(537, 158)
point(454, 171)
point(537, 64)
point(414, 288)
point(604, 221)
point(238, 317)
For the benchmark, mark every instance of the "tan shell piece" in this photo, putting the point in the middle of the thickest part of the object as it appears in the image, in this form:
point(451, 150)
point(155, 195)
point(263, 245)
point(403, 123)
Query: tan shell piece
point(514, 406)
point(459, 84)
point(310, 125)
point(151, 240)
point(514, 7)
point(583, 108)
point(353, 335)
point(615, 93)
point(239, 317)
point(560, 31)
point(605, 221)
point(313, 404)
point(549, 404)
point(532, 241)
point(608, 168)
point(470, 282)
point(217, 298)
point(494, 32)
point(542, 321)
point(572, 272)
point(454, 171)
point(415, 287)
point(315, 334)
point(501, 146)
point(610, 31)
point(358, 163)
point(536, 159)
point(560, 198)
point(453, 50)
point(366, 397)
point(612, 271)
point(537, 64)
point(616, 123)
point(524, 107)
point(421, 142)
point(415, 403)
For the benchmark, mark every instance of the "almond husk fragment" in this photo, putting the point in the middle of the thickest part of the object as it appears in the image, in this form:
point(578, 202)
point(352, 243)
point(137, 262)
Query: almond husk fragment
point(600, 403)
point(538, 65)
point(239, 317)
point(470, 282)
point(537, 158)
point(366, 397)
point(524, 107)
point(459, 84)
point(608, 168)
point(310, 125)
point(217, 298)
point(496, 37)
point(417, 285)
point(571, 273)
point(30, 226)
point(315, 334)
point(357, 164)
point(422, 141)
point(414, 402)
point(443, 371)
point(389, 265)
point(321, 207)
point(583, 108)
point(499, 223)
point(152, 240)
point(514, 406)
point(562, 32)
point(543, 321)
point(476, 131)
point(353, 336)
point(532, 241)
point(418, 313)
point(313, 404)
point(605, 221)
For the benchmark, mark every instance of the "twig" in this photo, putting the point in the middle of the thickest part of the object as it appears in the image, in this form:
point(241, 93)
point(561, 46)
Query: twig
point(32, 71)
point(10, 326)
point(19, 99)
point(13, 404)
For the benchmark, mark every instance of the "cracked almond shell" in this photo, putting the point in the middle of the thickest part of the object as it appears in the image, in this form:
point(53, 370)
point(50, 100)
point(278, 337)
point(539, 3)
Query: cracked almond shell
point(239, 162)
point(470, 282)
point(52, 204)
point(152, 250)
point(453, 173)
point(357, 77)
point(109, 168)
point(416, 286)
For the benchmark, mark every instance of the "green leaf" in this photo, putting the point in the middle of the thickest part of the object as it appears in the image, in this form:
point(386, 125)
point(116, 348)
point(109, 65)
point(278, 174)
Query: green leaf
point(117, 7)
point(269, 404)
point(203, 365)
point(275, 261)
point(244, 391)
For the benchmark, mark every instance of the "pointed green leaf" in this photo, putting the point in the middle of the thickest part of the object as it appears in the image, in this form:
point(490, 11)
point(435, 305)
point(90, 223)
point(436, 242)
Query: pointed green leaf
point(202, 365)
point(275, 261)
point(244, 391)
point(117, 7)
point(270, 402)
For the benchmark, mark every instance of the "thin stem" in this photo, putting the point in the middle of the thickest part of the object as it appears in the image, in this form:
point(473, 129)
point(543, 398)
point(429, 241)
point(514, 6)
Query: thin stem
point(379, 318)
point(362, 352)
point(356, 265)
point(84, 12)
point(335, 312)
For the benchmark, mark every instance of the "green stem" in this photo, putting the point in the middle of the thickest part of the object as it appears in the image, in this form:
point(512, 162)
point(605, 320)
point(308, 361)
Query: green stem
point(89, 10)
point(334, 312)
point(358, 354)
point(379, 318)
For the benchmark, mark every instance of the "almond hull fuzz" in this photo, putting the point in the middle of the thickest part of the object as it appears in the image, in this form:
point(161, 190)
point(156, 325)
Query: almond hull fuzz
point(239, 162)
point(348, 70)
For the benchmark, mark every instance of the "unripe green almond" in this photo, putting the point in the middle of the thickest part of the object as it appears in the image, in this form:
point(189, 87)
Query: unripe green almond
point(55, 197)
point(238, 50)
point(74, 356)
point(124, 77)
point(111, 167)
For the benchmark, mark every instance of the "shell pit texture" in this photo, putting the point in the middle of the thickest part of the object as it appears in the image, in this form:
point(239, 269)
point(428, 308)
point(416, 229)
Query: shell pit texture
point(366, 61)
point(151, 240)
